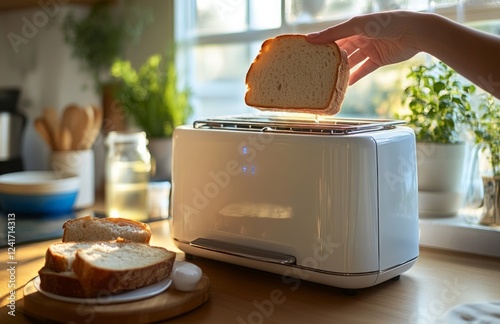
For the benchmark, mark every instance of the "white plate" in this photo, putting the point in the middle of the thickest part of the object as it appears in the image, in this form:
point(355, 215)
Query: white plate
point(136, 294)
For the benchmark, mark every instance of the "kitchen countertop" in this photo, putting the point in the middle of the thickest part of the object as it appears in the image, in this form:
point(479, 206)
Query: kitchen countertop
point(439, 280)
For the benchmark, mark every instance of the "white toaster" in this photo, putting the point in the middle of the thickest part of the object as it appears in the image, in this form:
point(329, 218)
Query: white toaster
point(332, 201)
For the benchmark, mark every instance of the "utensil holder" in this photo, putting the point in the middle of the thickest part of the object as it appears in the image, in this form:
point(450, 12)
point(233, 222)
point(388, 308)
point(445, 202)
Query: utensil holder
point(81, 163)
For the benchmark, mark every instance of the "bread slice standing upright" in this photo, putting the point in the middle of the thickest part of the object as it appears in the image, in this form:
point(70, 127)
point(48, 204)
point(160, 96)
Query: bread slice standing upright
point(292, 75)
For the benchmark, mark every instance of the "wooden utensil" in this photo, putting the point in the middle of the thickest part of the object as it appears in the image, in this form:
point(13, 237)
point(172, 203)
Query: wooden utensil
point(43, 131)
point(52, 123)
point(86, 142)
point(71, 119)
point(66, 139)
point(79, 131)
point(96, 125)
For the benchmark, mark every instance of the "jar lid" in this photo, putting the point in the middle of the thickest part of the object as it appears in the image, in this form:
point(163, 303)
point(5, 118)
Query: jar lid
point(124, 137)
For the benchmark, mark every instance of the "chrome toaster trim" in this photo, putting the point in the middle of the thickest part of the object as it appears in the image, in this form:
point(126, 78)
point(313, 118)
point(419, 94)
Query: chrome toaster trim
point(260, 255)
point(243, 251)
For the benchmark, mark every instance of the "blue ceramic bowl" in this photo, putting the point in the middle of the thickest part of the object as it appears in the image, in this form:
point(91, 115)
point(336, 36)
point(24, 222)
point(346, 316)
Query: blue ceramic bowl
point(38, 192)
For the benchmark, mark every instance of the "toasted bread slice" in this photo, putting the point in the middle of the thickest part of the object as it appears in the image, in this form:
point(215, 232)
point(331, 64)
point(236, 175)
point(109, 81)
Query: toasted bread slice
point(292, 75)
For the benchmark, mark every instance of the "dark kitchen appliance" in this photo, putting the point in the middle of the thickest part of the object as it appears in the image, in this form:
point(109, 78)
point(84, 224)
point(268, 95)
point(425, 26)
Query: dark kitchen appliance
point(12, 124)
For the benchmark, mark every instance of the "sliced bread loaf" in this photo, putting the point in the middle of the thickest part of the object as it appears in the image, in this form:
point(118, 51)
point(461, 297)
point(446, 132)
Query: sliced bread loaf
point(105, 229)
point(112, 268)
point(103, 268)
point(292, 75)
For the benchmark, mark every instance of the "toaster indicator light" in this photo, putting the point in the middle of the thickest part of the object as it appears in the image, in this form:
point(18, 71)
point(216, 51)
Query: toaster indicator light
point(249, 169)
point(244, 150)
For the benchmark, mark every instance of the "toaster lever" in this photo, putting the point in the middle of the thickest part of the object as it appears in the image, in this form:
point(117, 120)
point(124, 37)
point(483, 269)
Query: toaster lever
point(243, 251)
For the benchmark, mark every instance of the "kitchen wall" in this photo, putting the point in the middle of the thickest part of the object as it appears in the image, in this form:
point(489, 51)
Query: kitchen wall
point(34, 57)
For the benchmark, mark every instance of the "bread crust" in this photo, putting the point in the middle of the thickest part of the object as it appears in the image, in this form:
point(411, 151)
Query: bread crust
point(337, 92)
point(56, 261)
point(78, 224)
point(61, 283)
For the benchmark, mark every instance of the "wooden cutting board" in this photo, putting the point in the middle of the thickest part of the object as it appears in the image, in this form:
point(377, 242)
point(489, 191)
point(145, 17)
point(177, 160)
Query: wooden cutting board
point(165, 305)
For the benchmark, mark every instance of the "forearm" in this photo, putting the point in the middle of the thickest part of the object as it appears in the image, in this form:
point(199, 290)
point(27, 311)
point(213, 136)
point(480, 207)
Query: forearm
point(473, 54)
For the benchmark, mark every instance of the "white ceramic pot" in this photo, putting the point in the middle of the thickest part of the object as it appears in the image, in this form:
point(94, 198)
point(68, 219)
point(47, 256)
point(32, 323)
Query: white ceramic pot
point(441, 173)
point(161, 154)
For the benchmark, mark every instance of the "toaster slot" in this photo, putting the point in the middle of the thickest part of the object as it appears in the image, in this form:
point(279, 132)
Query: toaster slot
point(243, 251)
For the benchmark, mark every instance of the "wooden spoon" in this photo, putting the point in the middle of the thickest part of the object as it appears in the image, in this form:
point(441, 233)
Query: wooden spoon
point(96, 126)
point(70, 120)
point(87, 141)
point(79, 131)
point(66, 139)
point(52, 123)
point(43, 131)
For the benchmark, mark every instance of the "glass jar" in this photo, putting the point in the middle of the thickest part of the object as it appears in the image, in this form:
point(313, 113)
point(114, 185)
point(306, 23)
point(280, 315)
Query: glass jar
point(128, 166)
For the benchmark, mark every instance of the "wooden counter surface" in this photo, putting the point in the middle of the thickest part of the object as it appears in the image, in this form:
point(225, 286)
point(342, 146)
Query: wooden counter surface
point(438, 281)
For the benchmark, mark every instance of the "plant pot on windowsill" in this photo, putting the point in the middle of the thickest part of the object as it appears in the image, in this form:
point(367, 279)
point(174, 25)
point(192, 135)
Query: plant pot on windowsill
point(491, 207)
point(487, 131)
point(438, 111)
point(440, 178)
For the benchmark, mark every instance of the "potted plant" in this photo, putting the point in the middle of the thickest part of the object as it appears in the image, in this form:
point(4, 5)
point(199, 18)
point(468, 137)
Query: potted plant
point(487, 130)
point(439, 111)
point(101, 37)
point(150, 95)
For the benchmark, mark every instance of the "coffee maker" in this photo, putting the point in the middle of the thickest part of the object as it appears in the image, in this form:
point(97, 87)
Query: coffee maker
point(12, 124)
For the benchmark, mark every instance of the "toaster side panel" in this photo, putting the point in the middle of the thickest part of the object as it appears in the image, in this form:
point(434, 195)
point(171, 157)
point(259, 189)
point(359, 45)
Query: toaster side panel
point(398, 195)
point(312, 197)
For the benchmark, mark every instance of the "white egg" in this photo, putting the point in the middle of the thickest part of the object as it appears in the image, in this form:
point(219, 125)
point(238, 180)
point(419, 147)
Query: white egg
point(185, 275)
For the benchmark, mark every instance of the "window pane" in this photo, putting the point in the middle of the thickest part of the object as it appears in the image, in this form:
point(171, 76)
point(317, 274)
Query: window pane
point(221, 62)
point(307, 11)
point(221, 16)
point(265, 14)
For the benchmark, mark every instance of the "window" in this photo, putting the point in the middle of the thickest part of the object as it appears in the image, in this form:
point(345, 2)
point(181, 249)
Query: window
point(218, 39)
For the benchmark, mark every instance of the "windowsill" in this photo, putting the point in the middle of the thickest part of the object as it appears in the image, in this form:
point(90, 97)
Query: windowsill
point(460, 233)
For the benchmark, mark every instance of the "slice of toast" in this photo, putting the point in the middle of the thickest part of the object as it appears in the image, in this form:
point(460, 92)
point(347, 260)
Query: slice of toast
point(90, 228)
point(292, 75)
